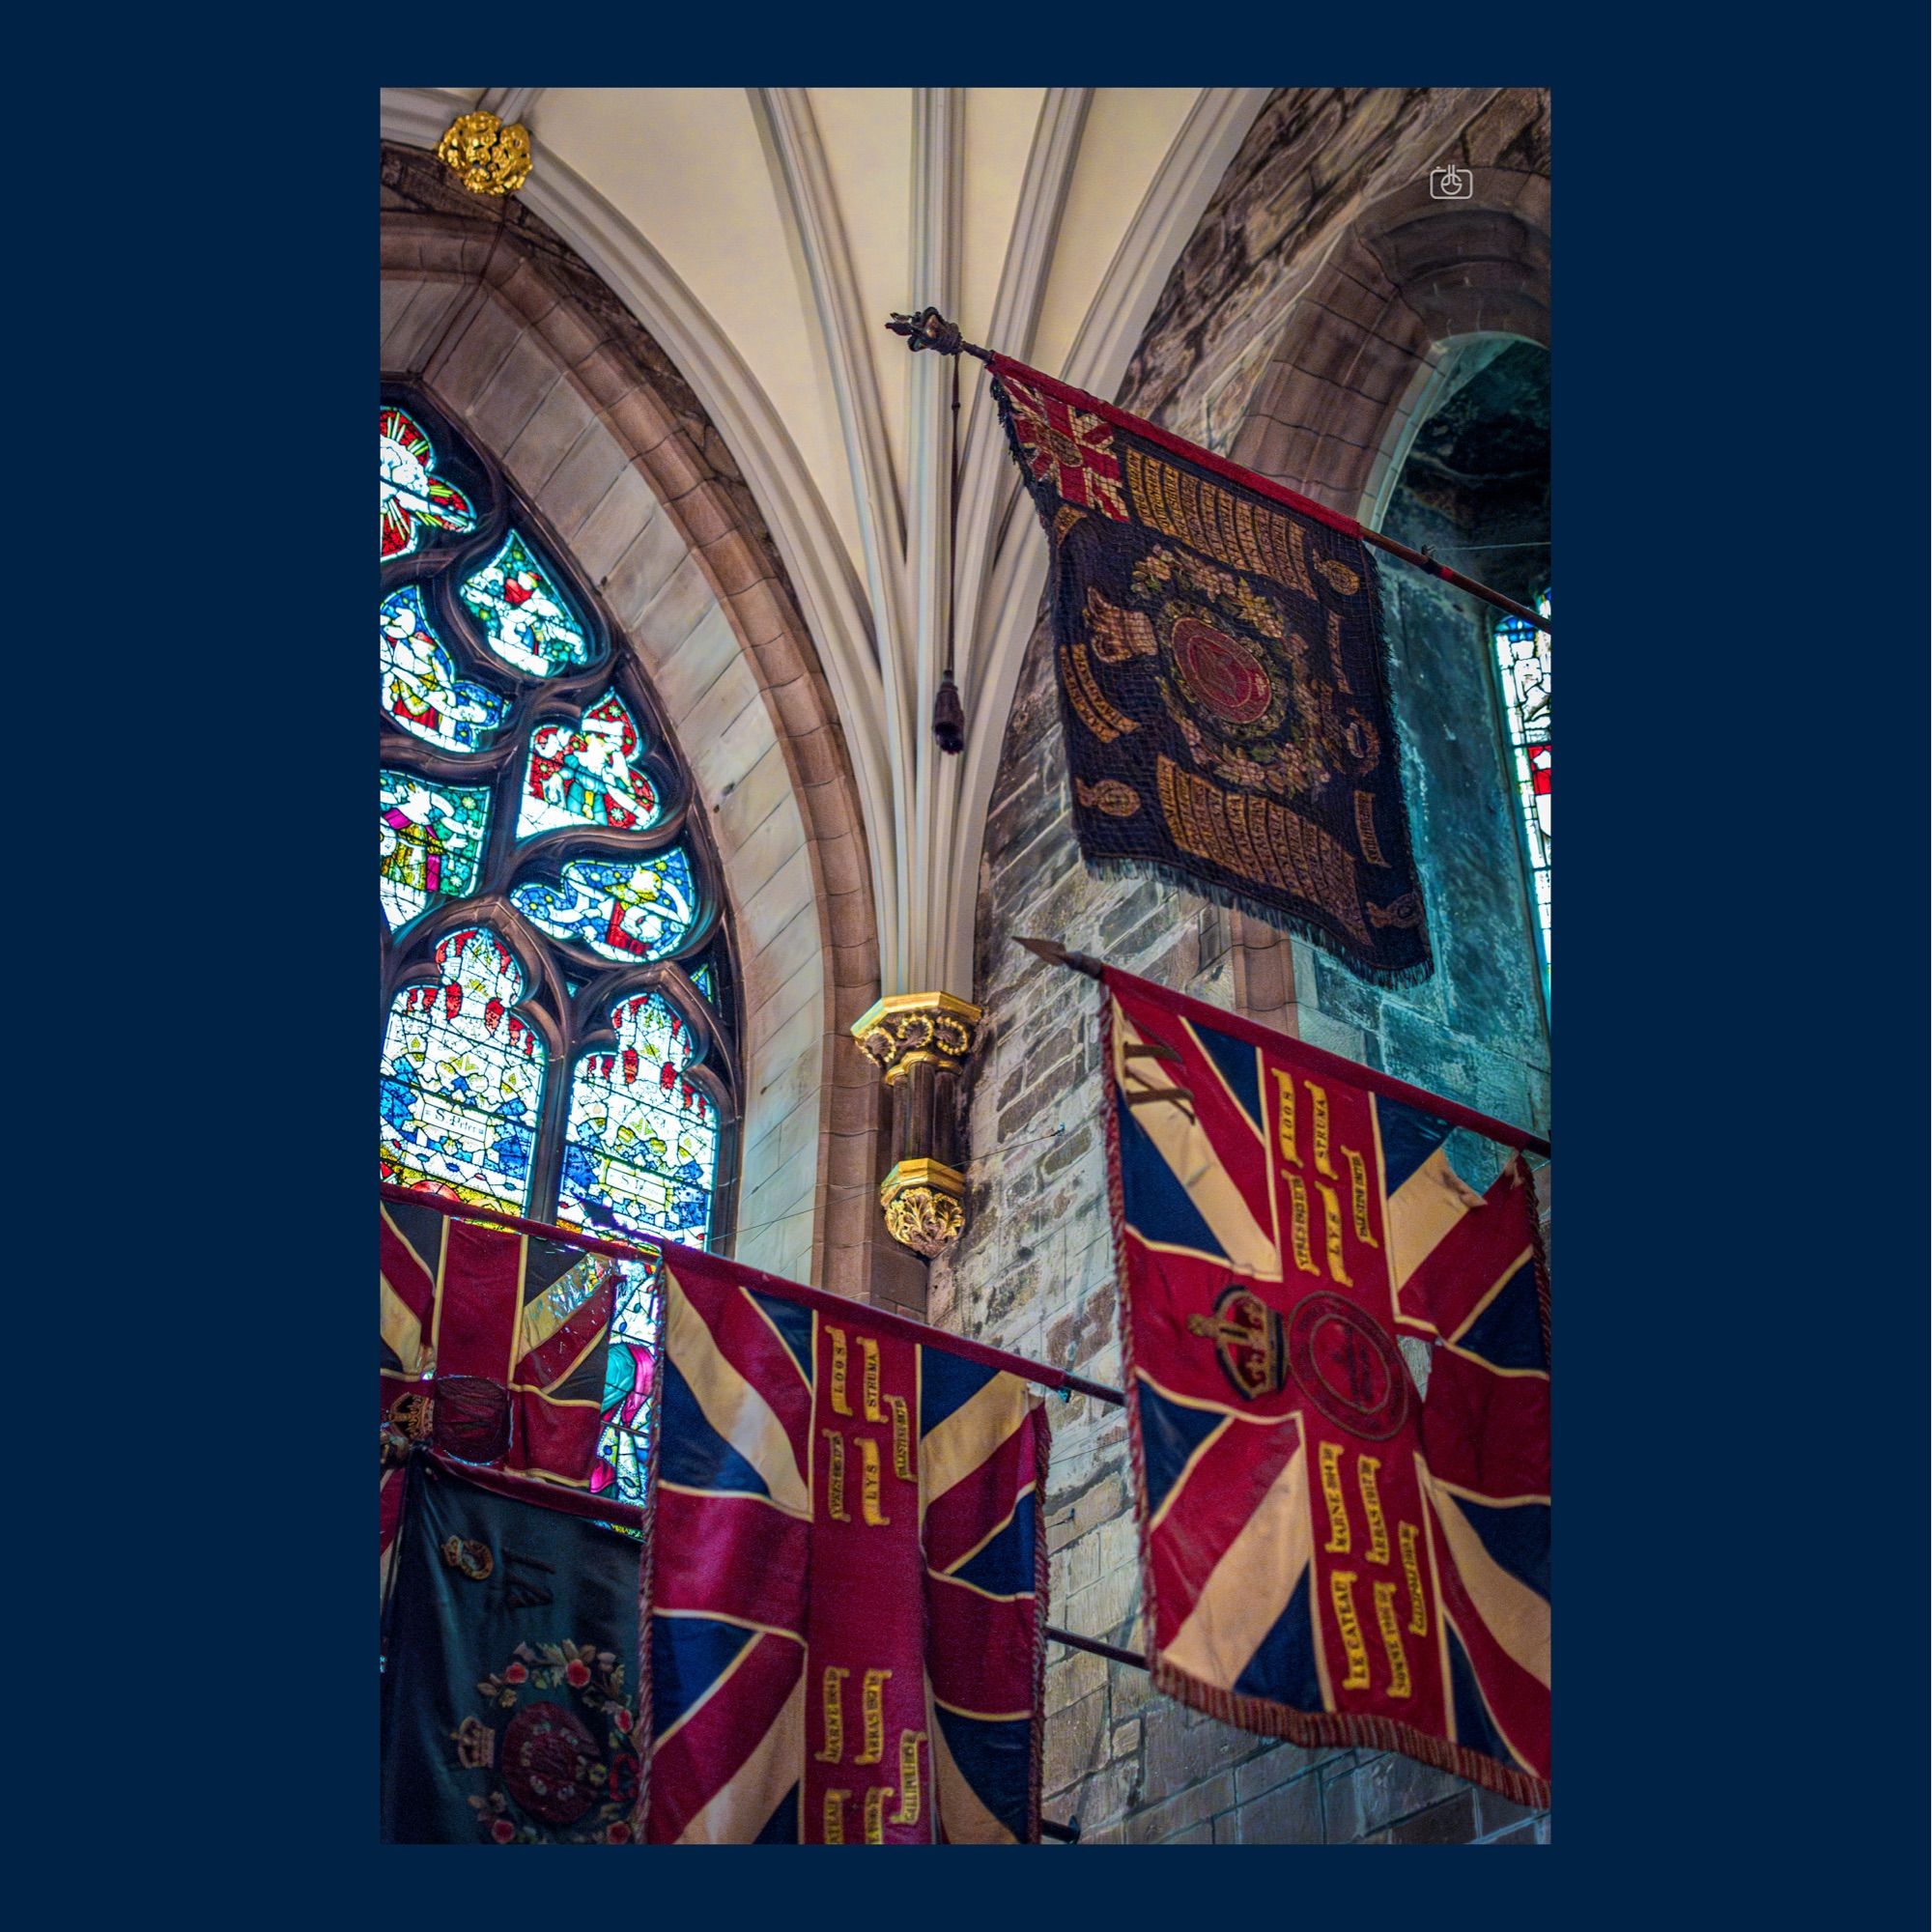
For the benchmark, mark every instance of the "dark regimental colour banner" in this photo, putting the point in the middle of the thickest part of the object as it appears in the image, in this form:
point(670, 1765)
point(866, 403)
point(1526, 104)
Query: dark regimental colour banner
point(509, 1685)
point(1222, 678)
point(1328, 1554)
point(847, 1579)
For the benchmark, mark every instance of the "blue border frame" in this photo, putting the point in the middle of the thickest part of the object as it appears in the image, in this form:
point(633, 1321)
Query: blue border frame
point(1739, 479)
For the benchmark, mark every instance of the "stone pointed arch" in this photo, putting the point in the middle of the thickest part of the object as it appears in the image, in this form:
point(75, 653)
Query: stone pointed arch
point(518, 342)
point(1412, 296)
point(1368, 347)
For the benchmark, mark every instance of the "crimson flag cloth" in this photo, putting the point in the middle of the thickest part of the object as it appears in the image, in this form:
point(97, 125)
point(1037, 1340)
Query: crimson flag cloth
point(1223, 679)
point(1327, 1555)
point(493, 1346)
point(846, 1583)
point(509, 1682)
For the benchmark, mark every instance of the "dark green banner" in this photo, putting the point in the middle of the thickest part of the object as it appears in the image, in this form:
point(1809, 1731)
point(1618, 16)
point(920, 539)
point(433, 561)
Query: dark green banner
point(509, 1688)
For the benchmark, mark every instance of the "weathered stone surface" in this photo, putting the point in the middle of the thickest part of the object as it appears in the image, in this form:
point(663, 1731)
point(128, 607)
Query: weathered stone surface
point(1291, 1814)
point(1074, 1740)
point(1452, 1822)
point(1382, 1791)
point(1192, 1810)
point(1183, 1747)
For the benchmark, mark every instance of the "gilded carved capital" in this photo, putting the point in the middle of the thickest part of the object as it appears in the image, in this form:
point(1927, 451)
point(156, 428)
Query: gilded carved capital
point(486, 156)
point(925, 1204)
point(906, 1028)
point(919, 1042)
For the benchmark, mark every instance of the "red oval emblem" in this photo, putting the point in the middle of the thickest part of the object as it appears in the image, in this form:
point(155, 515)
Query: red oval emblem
point(1348, 1366)
point(547, 1759)
point(1223, 674)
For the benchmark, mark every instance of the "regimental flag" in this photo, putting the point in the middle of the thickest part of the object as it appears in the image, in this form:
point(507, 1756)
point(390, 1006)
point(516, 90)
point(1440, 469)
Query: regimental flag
point(1222, 678)
point(493, 1344)
point(509, 1682)
point(1327, 1556)
point(847, 1579)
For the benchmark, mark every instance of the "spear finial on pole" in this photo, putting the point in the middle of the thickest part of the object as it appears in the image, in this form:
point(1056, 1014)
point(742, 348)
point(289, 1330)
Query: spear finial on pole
point(929, 329)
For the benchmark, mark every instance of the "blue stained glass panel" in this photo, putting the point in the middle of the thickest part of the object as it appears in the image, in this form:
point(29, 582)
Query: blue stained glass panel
point(420, 689)
point(640, 1156)
point(524, 619)
point(626, 911)
point(461, 1079)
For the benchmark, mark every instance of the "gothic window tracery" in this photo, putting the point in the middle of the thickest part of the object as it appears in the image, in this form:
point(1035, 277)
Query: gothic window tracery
point(557, 1027)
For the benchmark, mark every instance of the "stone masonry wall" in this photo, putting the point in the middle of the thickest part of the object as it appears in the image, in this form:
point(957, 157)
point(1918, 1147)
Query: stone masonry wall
point(1034, 1270)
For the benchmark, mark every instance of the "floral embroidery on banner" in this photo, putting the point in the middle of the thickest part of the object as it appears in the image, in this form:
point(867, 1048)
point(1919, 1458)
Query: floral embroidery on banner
point(1069, 449)
point(554, 1764)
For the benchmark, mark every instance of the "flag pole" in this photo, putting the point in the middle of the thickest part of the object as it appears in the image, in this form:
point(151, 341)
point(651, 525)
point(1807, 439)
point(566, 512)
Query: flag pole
point(1094, 1647)
point(1377, 1082)
point(929, 329)
point(1060, 1380)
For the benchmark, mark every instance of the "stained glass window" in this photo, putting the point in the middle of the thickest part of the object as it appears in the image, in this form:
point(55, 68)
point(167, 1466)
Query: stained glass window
point(585, 777)
point(1522, 664)
point(421, 691)
point(432, 839)
point(523, 613)
point(641, 1143)
point(642, 911)
point(413, 497)
point(462, 1078)
point(623, 1441)
point(533, 896)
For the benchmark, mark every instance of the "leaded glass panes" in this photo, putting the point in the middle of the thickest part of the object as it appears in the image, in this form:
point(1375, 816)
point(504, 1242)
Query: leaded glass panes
point(623, 1441)
point(413, 497)
point(420, 689)
point(641, 1146)
point(585, 777)
point(523, 613)
point(463, 1078)
point(1523, 663)
point(636, 911)
point(432, 841)
point(484, 930)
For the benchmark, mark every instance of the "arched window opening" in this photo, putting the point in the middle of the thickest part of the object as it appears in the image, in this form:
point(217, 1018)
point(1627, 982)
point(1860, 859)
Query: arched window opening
point(557, 1028)
point(1473, 690)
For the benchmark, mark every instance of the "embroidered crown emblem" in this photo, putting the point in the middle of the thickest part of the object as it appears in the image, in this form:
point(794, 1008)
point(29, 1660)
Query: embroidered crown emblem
point(475, 1744)
point(466, 1554)
point(1247, 1337)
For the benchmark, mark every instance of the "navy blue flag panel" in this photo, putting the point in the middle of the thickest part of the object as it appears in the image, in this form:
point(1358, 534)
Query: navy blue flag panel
point(1222, 679)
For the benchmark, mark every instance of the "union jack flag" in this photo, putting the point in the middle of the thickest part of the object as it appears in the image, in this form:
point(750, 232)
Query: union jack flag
point(1327, 1555)
point(846, 1579)
point(503, 1337)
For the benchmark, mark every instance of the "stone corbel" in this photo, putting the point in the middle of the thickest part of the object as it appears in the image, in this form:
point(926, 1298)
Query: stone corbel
point(921, 1043)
